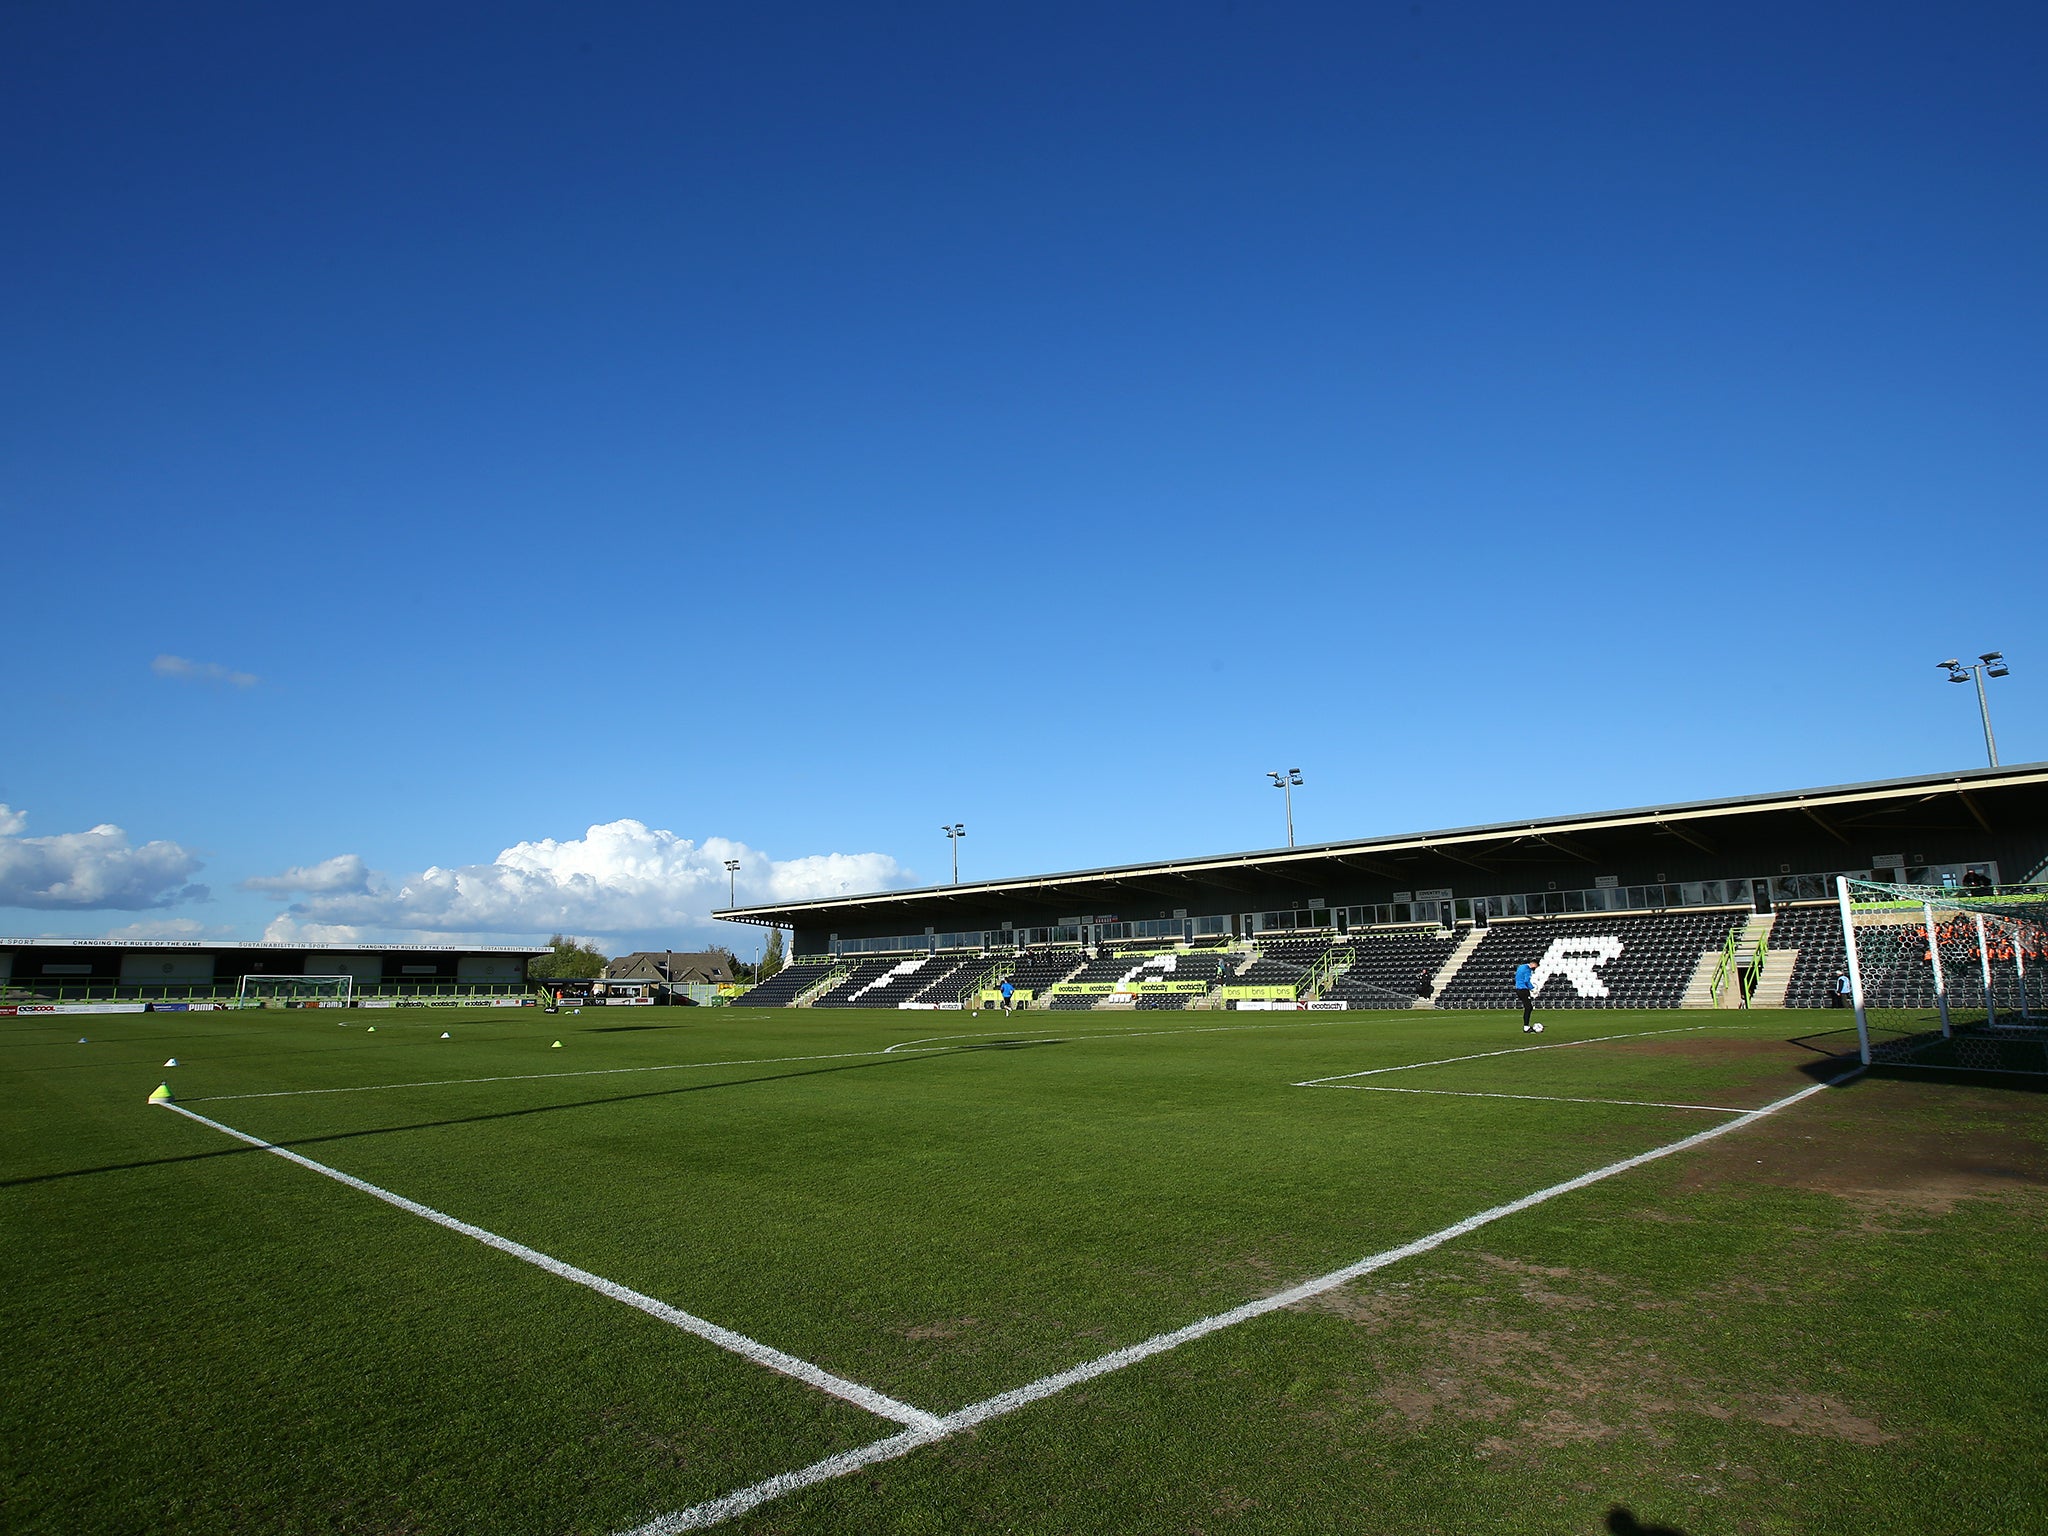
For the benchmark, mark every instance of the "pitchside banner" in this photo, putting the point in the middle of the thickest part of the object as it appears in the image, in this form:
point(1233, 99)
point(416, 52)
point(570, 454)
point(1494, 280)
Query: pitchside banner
point(81, 1008)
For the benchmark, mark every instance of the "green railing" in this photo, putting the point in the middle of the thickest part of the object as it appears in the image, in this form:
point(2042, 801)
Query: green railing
point(1325, 970)
point(971, 993)
point(817, 989)
point(1755, 972)
point(1721, 971)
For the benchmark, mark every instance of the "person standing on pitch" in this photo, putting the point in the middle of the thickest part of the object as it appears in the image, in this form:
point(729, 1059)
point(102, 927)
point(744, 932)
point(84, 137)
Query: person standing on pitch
point(1525, 990)
point(1008, 992)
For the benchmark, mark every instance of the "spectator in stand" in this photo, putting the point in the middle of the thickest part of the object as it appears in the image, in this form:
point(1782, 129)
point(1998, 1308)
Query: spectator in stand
point(1839, 997)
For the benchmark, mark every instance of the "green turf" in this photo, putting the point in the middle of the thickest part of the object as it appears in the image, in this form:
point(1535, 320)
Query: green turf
point(1822, 1322)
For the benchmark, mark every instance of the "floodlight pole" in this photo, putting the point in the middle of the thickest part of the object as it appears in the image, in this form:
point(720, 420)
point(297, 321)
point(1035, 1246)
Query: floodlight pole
point(1984, 709)
point(1285, 782)
point(1992, 662)
point(732, 881)
point(954, 832)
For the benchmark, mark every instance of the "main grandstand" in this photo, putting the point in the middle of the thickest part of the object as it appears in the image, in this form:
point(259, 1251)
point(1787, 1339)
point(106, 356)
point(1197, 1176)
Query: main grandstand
point(1704, 903)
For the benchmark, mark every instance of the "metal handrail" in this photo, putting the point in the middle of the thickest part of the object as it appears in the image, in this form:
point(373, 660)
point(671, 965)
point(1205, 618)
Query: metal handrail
point(1727, 964)
point(1756, 966)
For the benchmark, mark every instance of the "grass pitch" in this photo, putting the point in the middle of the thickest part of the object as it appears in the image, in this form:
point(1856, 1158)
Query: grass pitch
point(1826, 1320)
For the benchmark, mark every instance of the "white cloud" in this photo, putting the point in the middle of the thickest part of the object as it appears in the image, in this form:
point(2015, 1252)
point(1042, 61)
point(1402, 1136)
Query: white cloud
point(188, 670)
point(168, 928)
point(98, 868)
point(343, 872)
point(286, 929)
point(619, 877)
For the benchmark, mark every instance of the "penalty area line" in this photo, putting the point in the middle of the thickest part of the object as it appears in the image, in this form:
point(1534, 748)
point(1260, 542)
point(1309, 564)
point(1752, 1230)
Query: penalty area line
point(717, 1511)
point(1513, 1050)
point(1303, 1021)
point(1539, 1098)
point(738, 1343)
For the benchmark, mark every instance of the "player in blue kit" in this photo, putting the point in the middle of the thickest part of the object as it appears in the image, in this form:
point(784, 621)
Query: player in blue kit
point(1525, 994)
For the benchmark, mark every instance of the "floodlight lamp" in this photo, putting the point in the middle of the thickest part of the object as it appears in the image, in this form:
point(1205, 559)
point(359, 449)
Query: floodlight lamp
point(1952, 663)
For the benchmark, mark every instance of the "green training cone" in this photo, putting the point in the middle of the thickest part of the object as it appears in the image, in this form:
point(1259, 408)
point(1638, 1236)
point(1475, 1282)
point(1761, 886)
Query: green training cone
point(162, 1094)
point(556, 1046)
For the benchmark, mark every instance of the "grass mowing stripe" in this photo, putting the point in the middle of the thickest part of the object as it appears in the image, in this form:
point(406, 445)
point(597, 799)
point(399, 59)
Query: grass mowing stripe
point(1540, 1098)
point(533, 1077)
point(1513, 1050)
point(738, 1343)
point(717, 1511)
point(754, 1061)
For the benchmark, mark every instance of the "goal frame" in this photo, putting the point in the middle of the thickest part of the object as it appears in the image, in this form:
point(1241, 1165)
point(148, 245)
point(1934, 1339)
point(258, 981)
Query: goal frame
point(2019, 932)
point(268, 985)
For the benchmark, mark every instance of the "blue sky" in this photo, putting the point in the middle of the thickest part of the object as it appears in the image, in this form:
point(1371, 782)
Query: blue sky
point(773, 431)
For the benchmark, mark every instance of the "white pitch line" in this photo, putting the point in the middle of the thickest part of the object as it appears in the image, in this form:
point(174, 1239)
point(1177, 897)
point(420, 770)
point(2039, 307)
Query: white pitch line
point(717, 1511)
point(1514, 1050)
point(1306, 1021)
point(1541, 1098)
point(752, 1349)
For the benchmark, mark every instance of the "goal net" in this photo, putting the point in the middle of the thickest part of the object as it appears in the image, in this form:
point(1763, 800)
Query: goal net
point(1947, 978)
point(295, 992)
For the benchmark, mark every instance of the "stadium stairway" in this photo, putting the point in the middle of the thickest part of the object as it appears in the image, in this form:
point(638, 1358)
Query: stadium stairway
point(787, 986)
point(1699, 992)
point(1753, 938)
point(1776, 980)
point(1456, 963)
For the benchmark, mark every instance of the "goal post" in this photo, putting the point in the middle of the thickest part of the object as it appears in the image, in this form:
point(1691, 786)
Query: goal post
point(1945, 978)
point(295, 992)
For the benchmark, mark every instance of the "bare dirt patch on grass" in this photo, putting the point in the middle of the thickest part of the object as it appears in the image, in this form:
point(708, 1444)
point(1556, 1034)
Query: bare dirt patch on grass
point(1543, 1357)
point(946, 1329)
point(1892, 1149)
point(1534, 1356)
